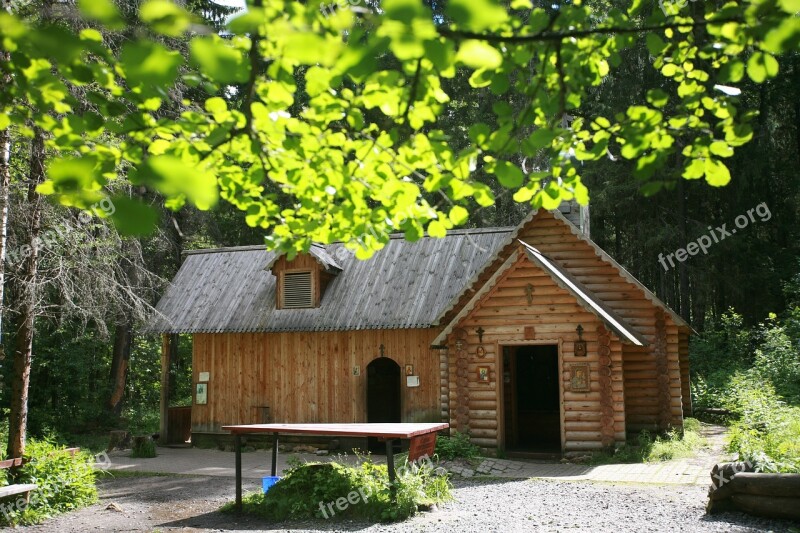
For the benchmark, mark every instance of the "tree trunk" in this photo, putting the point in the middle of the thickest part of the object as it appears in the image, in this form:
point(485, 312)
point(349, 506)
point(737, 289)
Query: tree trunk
point(26, 305)
point(120, 359)
point(5, 182)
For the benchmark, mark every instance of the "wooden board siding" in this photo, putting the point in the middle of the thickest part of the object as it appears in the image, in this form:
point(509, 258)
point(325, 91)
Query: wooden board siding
point(505, 314)
point(307, 377)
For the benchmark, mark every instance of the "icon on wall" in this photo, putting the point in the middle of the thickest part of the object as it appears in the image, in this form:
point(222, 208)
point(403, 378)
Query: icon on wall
point(409, 370)
point(579, 378)
point(201, 396)
point(483, 373)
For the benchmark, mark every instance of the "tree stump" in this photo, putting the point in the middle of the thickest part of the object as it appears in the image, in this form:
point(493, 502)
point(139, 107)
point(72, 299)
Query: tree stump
point(120, 440)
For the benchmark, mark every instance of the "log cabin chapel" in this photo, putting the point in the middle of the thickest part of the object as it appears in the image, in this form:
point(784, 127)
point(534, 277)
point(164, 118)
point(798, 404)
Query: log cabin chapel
point(529, 339)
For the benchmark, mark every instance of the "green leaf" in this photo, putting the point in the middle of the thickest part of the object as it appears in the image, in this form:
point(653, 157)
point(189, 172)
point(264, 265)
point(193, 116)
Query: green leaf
point(76, 180)
point(717, 174)
point(149, 64)
point(478, 54)
point(103, 11)
point(5, 121)
point(436, 229)
point(176, 179)
point(476, 15)
point(165, 17)
point(311, 49)
point(540, 138)
point(761, 66)
point(721, 149)
point(655, 44)
point(132, 217)
point(790, 6)
point(219, 60)
point(732, 71)
point(508, 174)
point(669, 70)
point(458, 215)
point(657, 97)
point(403, 10)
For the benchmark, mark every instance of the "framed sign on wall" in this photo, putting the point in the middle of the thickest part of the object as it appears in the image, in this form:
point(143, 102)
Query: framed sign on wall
point(201, 394)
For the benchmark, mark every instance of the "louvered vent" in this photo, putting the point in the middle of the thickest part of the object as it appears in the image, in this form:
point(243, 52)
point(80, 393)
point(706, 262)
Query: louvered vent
point(297, 290)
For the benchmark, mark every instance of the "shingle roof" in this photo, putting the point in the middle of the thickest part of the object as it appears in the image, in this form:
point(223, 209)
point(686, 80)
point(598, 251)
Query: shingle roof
point(405, 285)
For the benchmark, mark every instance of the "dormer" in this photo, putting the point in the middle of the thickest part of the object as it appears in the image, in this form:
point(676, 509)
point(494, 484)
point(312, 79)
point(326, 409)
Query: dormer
point(301, 282)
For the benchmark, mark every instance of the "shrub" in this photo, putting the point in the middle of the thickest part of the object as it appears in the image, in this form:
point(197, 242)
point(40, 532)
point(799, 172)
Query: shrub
point(144, 448)
point(457, 446)
point(675, 444)
point(767, 432)
point(64, 483)
point(307, 489)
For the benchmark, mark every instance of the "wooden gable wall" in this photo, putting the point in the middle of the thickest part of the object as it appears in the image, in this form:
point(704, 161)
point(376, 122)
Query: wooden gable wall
point(654, 378)
point(653, 388)
point(589, 420)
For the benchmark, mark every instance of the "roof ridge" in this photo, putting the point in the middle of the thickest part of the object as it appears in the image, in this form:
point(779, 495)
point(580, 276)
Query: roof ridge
point(251, 247)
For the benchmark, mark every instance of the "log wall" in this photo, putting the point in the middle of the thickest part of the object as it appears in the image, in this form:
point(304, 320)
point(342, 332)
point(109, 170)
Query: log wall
point(553, 314)
point(589, 420)
point(309, 376)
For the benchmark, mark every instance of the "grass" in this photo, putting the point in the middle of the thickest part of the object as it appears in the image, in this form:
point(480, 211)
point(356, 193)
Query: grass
point(120, 474)
point(675, 444)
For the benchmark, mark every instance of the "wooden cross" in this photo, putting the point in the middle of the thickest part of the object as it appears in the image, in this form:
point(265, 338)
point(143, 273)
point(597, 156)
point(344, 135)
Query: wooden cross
point(529, 293)
point(381, 348)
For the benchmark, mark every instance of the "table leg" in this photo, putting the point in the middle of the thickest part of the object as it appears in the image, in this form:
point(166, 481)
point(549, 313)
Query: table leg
point(390, 466)
point(274, 455)
point(237, 445)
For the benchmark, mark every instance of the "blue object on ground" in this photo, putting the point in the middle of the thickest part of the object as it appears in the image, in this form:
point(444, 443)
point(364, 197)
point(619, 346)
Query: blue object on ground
point(268, 481)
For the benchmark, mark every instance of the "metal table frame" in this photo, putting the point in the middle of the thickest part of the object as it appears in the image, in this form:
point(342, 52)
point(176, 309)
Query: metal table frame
point(386, 432)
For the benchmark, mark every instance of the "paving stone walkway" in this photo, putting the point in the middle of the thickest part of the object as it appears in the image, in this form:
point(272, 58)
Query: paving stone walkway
point(677, 472)
point(256, 464)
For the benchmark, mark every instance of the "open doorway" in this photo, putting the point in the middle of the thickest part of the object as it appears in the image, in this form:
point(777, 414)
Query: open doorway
point(383, 395)
point(531, 398)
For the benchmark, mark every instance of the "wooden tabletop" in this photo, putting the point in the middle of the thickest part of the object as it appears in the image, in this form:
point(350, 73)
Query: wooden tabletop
point(385, 431)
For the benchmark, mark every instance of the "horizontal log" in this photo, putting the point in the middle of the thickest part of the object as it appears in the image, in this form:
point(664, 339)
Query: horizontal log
point(768, 506)
point(760, 484)
point(483, 424)
point(484, 442)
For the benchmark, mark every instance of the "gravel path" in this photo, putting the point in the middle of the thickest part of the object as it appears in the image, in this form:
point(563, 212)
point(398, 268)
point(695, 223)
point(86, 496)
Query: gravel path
point(190, 503)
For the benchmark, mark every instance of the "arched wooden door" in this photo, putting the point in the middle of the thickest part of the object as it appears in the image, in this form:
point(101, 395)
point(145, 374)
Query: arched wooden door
point(383, 394)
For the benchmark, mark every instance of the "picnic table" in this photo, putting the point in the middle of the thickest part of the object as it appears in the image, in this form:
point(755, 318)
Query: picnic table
point(422, 436)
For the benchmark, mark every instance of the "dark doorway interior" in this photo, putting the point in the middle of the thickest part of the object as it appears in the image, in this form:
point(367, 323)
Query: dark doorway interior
point(383, 396)
point(531, 398)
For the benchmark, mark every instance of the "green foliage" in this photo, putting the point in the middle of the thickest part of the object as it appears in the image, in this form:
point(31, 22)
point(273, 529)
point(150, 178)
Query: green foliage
point(767, 432)
point(306, 490)
point(674, 444)
point(65, 483)
point(716, 355)
point(338, 128)
point(457, 446)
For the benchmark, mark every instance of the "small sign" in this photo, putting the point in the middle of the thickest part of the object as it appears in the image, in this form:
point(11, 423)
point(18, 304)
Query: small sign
point(204, 377)
point(422, 446)
point(412, 381)
point(356, 370)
